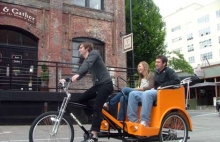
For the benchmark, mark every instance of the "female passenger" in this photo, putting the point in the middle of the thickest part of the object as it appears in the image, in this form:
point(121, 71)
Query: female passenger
point(145, 82)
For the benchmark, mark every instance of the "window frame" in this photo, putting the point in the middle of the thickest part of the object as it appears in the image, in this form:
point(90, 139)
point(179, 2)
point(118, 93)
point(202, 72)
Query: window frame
point(97, 46)
point(87, 5)
point(23, 37)
point(191, 59)
point(218, 14)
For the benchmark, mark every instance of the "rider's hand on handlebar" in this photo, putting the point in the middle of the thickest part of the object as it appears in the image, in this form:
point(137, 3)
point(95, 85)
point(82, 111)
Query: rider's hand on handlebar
point(74, 78)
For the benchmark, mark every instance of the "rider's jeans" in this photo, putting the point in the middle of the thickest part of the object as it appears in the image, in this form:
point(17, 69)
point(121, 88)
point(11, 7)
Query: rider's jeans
point(123, 101)
point(146, 98)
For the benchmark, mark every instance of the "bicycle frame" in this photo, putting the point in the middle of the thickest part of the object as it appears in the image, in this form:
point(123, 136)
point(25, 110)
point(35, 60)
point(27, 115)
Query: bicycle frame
point(105, 115)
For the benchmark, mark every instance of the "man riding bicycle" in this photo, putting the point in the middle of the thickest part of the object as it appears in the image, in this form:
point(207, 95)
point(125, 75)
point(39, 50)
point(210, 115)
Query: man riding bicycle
point(102, 84)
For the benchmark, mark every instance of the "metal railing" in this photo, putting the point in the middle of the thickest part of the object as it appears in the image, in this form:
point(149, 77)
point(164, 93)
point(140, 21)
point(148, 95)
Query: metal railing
point(26, 75)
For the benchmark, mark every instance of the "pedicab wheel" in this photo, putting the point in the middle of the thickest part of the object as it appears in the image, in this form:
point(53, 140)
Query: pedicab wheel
point(42, 128)
point(174, 127)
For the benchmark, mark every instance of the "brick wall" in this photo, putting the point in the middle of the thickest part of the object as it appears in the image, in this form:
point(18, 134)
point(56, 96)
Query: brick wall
point(58, 22)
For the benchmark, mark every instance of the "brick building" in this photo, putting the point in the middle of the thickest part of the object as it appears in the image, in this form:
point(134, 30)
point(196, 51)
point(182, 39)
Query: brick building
point(50, 30)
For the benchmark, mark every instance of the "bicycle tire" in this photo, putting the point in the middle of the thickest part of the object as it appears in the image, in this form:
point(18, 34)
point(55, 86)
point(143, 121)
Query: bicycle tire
point(42, 126)
point(174, 127)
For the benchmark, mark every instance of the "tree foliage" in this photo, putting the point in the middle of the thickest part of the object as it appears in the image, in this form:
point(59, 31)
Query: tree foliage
point(149, 35)
point(148, 31)
point(177, 62)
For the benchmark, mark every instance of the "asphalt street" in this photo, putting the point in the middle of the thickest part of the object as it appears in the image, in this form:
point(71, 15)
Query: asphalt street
point(206, 128)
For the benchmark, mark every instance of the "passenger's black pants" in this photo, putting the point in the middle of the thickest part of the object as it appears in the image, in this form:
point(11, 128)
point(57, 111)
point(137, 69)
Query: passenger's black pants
point(100, 93)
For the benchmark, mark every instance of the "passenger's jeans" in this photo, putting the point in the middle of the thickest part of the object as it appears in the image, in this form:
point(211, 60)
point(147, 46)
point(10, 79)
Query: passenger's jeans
point(146, 98)
point(123, 101)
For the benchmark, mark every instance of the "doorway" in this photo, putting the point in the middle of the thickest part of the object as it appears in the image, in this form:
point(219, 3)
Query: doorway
point(18, 59)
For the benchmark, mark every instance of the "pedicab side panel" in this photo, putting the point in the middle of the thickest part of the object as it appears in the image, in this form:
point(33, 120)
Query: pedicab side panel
point(170, 100)
point(167, 100)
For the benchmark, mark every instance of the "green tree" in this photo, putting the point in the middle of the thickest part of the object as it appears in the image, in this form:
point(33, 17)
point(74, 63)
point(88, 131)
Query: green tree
point(177, 62)
point(148, 31)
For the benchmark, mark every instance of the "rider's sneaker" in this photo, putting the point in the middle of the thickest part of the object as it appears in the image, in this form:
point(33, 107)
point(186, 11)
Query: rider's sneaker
point(144, 123)
point(91, 138)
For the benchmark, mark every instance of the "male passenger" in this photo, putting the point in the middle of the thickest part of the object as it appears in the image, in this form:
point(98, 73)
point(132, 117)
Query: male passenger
point(164, 76)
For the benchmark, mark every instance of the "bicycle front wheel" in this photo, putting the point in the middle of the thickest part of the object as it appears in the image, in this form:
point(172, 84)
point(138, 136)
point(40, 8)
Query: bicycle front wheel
point(42, 129)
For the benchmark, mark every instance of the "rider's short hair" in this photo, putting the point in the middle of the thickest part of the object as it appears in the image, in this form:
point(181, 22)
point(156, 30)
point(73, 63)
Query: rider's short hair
point(163, 58)
point(87, 45)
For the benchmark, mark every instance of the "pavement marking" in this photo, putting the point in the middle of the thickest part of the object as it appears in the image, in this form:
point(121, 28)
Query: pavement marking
point(5, 132)
point(38, 140)
point(204, 114)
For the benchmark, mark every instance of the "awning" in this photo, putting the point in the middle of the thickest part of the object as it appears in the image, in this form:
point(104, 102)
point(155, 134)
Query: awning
point(205, 84)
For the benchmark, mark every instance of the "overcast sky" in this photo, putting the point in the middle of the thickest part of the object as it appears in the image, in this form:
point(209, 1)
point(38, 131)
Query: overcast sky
point(170, 6)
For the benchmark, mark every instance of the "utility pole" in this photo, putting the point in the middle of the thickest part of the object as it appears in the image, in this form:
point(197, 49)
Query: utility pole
point(132, 51)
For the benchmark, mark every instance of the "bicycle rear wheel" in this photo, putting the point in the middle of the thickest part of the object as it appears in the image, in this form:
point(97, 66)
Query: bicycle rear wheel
point(42, 127)
point(174, 128)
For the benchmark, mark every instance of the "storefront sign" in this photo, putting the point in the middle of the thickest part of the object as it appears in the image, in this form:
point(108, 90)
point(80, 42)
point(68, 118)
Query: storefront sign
point(18, 13)
point(127, 42)
point(18, 57)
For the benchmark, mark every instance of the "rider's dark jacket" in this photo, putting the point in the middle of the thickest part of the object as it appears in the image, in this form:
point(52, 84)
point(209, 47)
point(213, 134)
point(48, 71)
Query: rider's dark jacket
point(165, 77)
point(95, 65)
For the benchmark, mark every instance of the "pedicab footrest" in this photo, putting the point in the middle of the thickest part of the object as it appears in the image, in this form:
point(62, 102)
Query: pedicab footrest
point(140, 130)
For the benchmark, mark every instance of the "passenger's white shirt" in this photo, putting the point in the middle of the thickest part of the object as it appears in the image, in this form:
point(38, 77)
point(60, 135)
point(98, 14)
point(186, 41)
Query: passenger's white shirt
point(144, 83)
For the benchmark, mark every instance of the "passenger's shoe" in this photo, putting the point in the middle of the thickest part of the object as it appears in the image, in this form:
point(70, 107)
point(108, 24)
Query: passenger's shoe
point(105, 106)
point(91, 138)
point(144, 123)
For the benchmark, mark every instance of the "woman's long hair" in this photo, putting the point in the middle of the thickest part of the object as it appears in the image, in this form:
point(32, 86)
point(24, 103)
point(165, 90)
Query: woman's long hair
point(145, 73)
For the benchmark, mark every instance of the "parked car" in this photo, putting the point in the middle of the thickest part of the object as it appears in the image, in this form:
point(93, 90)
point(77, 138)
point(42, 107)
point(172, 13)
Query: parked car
point(218, 104)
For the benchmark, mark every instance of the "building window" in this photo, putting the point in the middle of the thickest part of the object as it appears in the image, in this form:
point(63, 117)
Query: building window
point(178, 50)
point(190, 48)
point(191, 59)
point(177, 39)
point(218, 27)
point(76, 59)
point(16, 36)
point(206, 56)
point(190, 36)
point(175, 29)
point(218, 14)
point(95, 4)
point(204, 32)
point(205, 43)
point(203, 19)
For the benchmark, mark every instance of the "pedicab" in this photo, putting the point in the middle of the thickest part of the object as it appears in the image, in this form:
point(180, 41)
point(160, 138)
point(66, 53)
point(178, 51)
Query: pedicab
point(169, 121)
